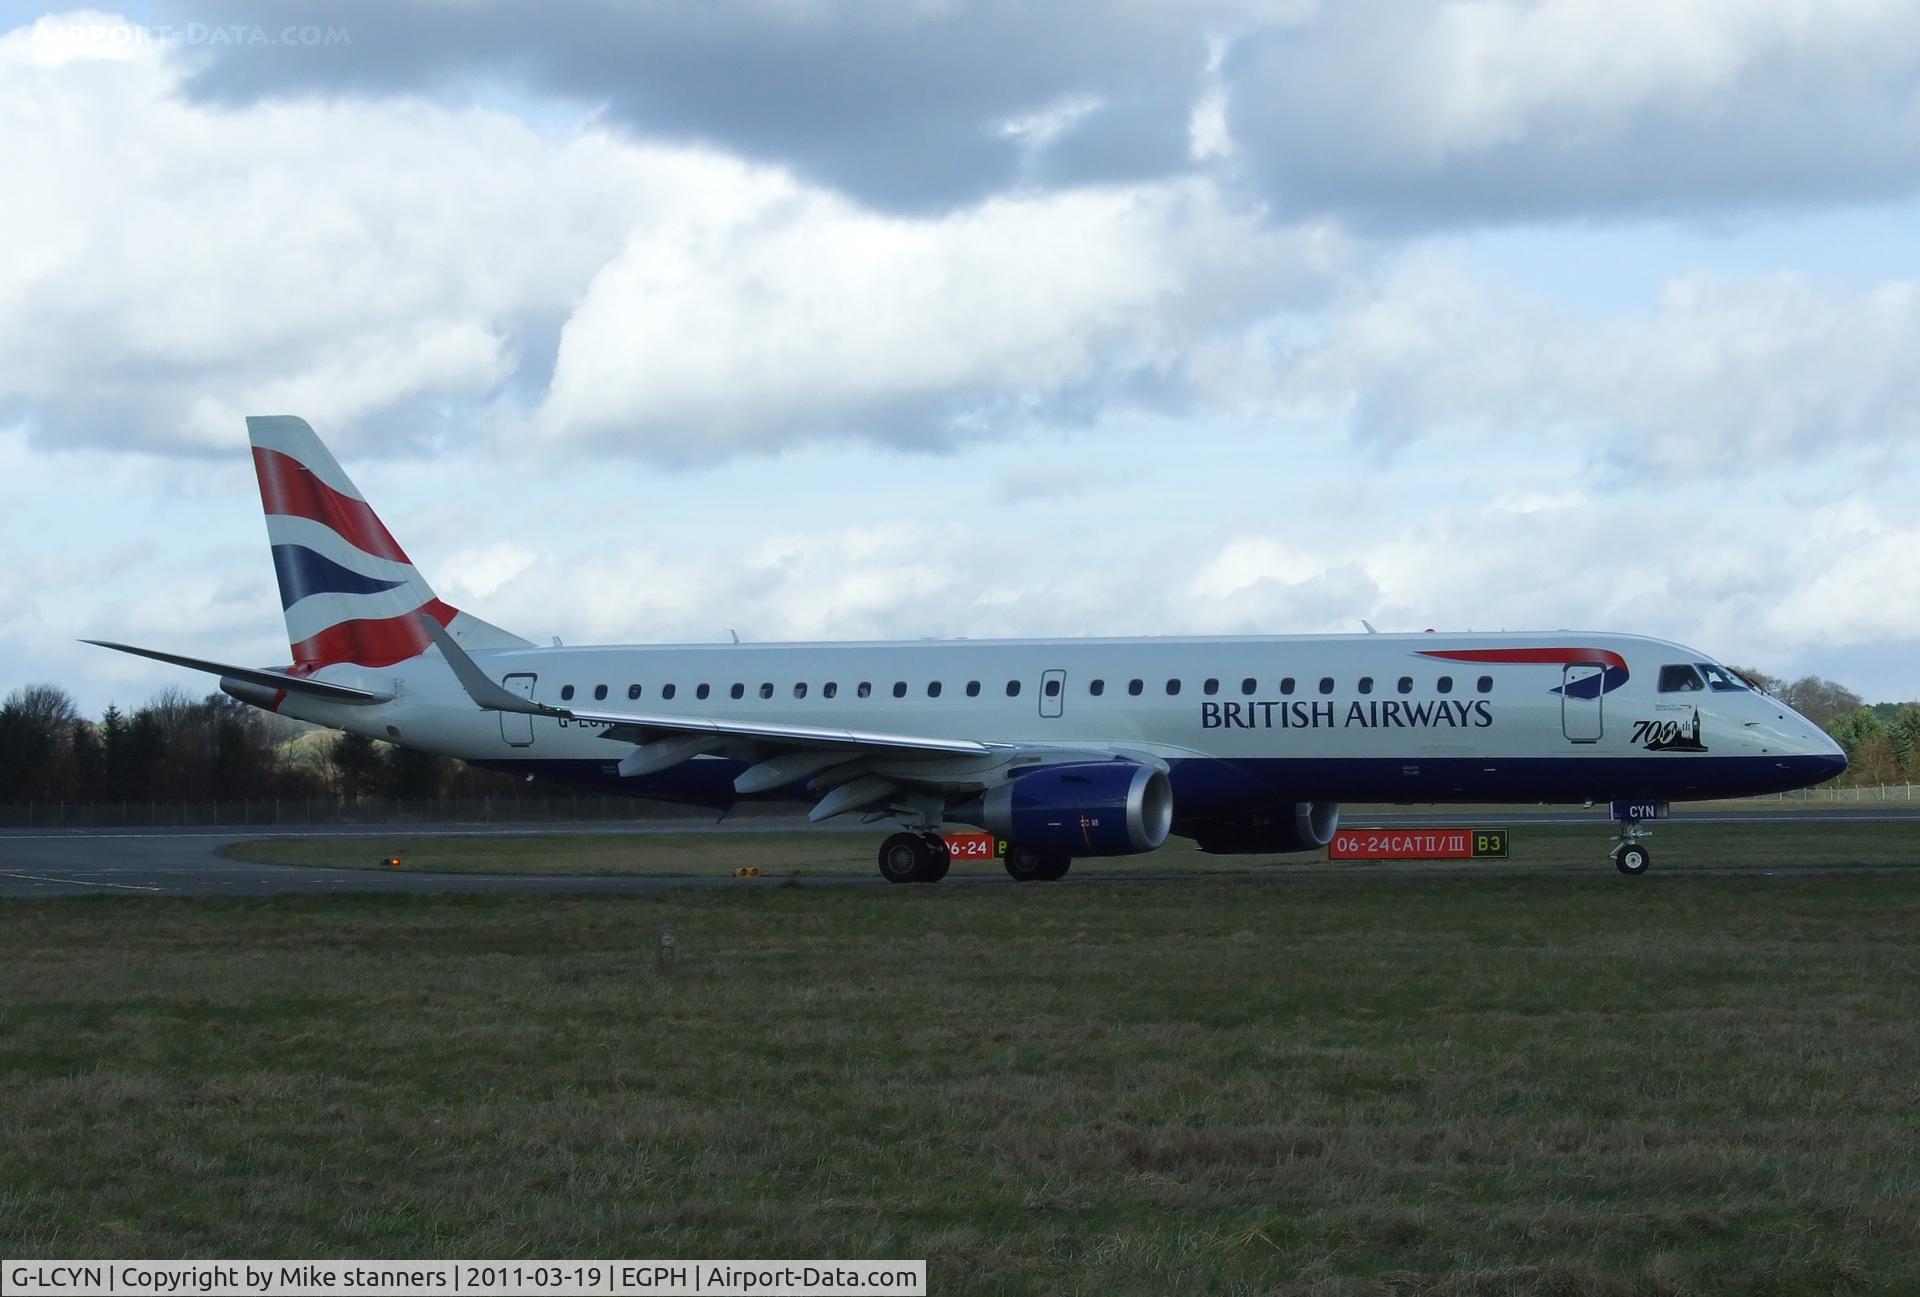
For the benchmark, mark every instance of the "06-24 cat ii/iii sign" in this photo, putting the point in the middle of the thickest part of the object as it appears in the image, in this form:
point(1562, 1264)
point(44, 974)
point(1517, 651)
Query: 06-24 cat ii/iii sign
point(1418, 844)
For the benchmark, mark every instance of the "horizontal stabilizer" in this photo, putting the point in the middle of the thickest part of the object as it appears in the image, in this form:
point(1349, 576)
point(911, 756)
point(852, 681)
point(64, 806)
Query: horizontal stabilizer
point(254, 675)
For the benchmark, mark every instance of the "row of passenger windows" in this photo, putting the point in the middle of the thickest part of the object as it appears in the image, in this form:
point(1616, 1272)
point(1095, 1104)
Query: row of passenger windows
point(1050, 687)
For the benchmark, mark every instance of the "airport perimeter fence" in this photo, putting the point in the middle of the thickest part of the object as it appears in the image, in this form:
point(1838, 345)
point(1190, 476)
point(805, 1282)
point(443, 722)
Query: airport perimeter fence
point(298, 812)
point(586, 808)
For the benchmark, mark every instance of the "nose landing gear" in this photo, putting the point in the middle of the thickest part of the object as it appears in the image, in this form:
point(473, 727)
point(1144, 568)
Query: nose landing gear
point(1629, 856)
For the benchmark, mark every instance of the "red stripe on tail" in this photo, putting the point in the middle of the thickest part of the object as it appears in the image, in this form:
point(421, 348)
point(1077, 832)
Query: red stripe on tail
point(289, 487)
point(373, 642)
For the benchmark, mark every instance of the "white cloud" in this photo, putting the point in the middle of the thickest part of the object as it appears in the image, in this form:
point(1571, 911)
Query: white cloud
point(1723, 373)
point(180, 265)
point(784, 312)
point(1462, 111)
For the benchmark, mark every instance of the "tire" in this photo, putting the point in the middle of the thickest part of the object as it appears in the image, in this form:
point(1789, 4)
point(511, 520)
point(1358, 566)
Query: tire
point(939, 858)
point(1024, 866)
point(1632, 859)
point(1054, 868)
point(905, 858)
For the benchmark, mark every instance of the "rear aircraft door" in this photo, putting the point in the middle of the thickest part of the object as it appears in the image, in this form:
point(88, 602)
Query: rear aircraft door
point(517, 727)
point(1580, 701)
point(1053, 692)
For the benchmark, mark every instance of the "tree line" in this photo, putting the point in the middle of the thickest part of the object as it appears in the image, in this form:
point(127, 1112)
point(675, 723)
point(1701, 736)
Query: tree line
point(177, 749)
point(180, 750)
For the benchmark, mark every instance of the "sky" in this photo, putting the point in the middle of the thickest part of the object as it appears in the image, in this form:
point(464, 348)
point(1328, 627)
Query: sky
point(652, 323)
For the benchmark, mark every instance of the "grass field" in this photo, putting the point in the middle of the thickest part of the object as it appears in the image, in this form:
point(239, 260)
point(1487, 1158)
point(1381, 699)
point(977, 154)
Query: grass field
point(803, 853)
point(1571, 1083)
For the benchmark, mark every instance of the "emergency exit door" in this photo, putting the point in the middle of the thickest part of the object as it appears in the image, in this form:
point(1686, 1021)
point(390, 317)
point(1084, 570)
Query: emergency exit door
point(1053, 692)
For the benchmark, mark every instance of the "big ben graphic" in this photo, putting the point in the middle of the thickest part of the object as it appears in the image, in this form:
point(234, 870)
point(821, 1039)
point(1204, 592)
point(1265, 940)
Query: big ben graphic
point(1687, 740)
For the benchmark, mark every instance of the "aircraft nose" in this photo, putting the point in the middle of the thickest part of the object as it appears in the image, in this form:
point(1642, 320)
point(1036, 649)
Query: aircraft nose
point(1831, 755)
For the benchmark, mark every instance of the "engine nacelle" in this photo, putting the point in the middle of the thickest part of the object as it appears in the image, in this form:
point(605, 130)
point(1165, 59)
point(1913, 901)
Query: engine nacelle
point(1309, 826)
point(1098, 808)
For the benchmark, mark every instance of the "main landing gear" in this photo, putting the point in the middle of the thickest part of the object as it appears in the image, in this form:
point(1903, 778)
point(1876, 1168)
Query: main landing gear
point(915, 858)
point(1025, 865)
point(925, 858)
point(1629, 856)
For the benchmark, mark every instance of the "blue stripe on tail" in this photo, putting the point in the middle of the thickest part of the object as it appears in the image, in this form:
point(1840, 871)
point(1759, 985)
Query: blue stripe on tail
point(302, 572)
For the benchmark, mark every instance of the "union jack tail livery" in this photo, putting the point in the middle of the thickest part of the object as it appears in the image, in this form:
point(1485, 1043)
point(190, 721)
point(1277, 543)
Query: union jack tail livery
point(349, 592)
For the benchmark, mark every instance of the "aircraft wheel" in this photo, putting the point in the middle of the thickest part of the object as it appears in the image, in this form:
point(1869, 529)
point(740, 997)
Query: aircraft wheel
point(1054, 868)
point(939, 858)
point(1632, 859)
point(906, 858)
point(1024, 865)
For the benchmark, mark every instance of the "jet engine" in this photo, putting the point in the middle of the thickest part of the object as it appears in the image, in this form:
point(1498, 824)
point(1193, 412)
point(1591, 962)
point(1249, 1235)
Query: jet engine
point(1306, 826)
point(1096, 808)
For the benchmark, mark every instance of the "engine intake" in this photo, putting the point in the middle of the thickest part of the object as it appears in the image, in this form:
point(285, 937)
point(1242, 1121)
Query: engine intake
point(1097, 808)
point(1309, 827)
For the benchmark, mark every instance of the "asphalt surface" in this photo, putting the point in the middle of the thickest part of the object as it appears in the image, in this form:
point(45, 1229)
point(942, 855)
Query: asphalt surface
point(187, 862)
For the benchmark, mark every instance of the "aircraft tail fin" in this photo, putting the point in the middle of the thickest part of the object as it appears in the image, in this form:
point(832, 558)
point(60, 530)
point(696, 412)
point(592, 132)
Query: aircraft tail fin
point(349, 592)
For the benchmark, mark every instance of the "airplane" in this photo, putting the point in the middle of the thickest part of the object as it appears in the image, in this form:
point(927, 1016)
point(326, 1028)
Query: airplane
point(1064, 748)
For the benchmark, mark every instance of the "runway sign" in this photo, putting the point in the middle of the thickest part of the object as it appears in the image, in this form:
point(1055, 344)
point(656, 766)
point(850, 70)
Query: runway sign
point(1418, 844)
point(974, 846)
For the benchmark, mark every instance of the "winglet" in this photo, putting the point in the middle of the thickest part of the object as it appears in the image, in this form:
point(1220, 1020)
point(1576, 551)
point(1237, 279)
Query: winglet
point(484, 692)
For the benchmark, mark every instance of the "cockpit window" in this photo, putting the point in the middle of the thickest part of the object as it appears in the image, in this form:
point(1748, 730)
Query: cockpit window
point(1680, 678)
point(1721, 680)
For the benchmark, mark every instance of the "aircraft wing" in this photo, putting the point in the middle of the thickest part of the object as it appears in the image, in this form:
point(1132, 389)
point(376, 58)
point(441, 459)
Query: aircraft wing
point(853, 769)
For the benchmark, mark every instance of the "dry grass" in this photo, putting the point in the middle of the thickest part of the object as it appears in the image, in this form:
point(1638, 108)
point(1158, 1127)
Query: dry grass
point(1464, 1084)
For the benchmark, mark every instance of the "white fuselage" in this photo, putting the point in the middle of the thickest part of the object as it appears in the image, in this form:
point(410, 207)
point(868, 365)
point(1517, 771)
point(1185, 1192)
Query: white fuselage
point(1240, 722)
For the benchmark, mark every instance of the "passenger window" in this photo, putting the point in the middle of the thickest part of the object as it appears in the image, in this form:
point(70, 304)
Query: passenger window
point(739, 690)
point(701, 692)
point(1366, 684)
point(599, 693)
point(800, 691)
point(1248, 685)
point(1013, 688)
point(633, 692)
point(1679, 679)
point(829, 690)
point(1444, 684)
point(1210, 686)
point(766, 688)
point(865, 690)
point(566, 693)
point(899, 689)
point(1286, 685)
point(1406, 684)
point(1173, 687)
point(1326, 684)
point(1096, 687)
point(973, 688)
point(1051, 688)
point(666, 691)
point(1134, 687)
point(933, 688)
point(1484, 684)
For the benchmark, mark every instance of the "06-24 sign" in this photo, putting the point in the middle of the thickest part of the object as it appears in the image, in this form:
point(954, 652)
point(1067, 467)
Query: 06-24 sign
point(1418, 844)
